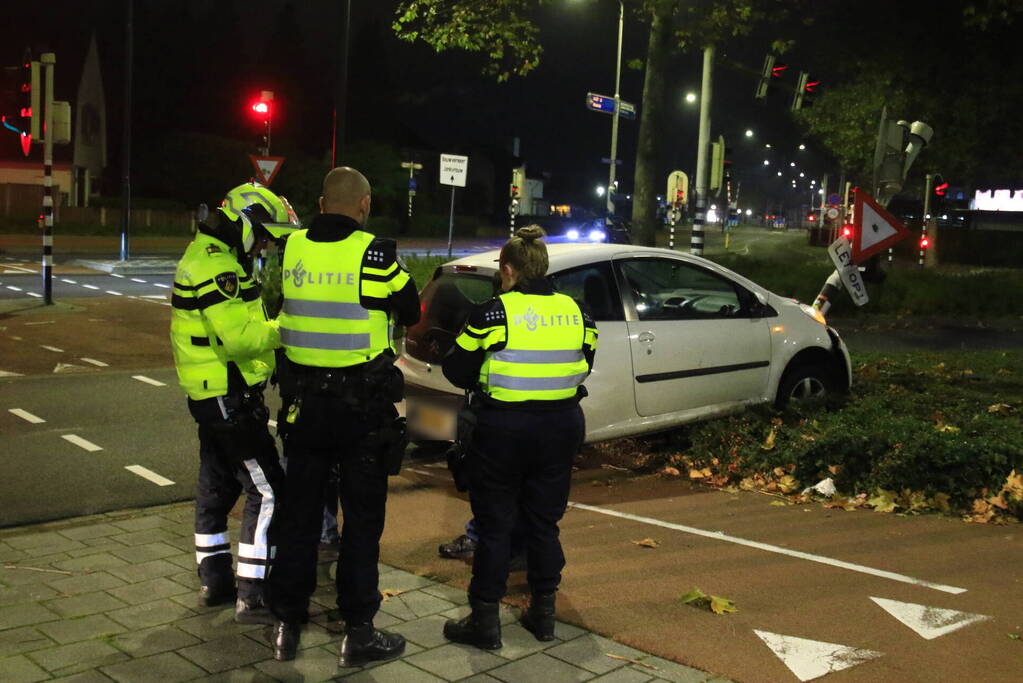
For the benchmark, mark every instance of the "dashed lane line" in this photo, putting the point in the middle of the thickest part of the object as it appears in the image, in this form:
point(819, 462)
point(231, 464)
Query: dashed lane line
point(81, 443)
point(69, 281)
point(90, 286)
point(26, 416)
point(153, 296)
point(97, 363)
point(135, 279)
point(51, 348)
point(161, 285)
point(116, 275)
point(110, 291)
point(719, 536)
point(148, 380)
point(13, 288)
point(149, 474)
point(38, 296)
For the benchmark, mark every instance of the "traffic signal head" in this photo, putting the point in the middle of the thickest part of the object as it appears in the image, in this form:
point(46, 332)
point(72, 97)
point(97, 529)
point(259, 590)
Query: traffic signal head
point(812, 217)
point(941, 189)
point(847, 231)
point(514, 191)
point(260, 109)
point(925, 242)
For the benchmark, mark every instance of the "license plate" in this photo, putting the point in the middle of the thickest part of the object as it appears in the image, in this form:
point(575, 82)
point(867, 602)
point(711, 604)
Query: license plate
point(431, 421)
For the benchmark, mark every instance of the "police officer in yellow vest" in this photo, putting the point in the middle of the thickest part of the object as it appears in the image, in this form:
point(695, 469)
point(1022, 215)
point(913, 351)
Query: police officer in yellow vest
point(343, 290)
point(224, 352)
point(527, 353)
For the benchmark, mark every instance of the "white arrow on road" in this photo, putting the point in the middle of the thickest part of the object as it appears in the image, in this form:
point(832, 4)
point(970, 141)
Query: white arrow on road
point(928, 622)
point(809, 659)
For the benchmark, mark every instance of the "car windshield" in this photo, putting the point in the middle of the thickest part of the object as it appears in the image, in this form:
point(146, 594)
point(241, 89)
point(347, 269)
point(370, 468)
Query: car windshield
point(446, 302)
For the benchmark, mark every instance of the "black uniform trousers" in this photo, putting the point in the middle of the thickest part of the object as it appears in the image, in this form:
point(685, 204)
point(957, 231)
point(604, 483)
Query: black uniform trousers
point(236, 455)
point(328, 431)
point(521, 466)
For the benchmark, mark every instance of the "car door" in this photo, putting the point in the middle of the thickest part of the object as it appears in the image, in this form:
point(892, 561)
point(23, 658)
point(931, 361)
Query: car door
point(695, 345)
point(594, 285)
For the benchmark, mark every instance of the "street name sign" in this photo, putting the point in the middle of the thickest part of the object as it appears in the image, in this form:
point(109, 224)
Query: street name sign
point(266, 168)
point(453, 170)
point(841, 254)
point(874, 229)
point(605, 104)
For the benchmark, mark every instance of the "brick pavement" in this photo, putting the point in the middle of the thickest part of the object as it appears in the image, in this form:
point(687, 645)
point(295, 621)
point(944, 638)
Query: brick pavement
point(114, 597)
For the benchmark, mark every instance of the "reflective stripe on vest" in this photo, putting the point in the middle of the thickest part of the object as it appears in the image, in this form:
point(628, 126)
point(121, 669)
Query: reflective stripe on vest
point(543, 358)
point(322, 322)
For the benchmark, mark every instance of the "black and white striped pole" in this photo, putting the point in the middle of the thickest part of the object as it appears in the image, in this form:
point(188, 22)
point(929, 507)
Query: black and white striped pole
point(412, 167)
point(700, 215)
point(47, 60)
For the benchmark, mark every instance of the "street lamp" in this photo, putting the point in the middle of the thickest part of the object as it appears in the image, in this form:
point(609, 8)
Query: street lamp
point(792, 164)
point(749, 132)
point(767, 146)
point(767, 162)
point(801, 146)
point(690, 97)
point(600, 190)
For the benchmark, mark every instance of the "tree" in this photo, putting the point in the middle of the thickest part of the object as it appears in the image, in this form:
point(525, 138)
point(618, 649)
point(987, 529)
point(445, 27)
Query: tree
point(505, 30)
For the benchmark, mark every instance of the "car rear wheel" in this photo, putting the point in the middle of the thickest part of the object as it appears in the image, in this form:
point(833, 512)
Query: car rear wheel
point(810, 383)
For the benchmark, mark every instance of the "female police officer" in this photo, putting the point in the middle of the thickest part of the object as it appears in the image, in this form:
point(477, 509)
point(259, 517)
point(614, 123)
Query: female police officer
point(527, 352)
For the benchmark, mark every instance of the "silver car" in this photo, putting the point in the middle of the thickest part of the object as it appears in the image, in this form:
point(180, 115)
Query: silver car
point(681, 339)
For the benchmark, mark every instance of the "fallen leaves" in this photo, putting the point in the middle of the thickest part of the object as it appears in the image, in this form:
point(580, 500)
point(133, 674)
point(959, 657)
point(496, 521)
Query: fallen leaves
point(716, 604)
point(647, 543)
point(1000, 408)
point(671, 472)
point(389, 593)
point(769, 441)
point(631, 661)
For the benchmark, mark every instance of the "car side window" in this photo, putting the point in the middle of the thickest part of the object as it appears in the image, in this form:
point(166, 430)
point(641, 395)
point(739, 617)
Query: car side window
point(593, 286)
point(664, 289)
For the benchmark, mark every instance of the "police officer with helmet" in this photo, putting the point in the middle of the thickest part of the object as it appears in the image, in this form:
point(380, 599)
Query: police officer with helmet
point(223, 348)
point(343, 290)
point(525, 354)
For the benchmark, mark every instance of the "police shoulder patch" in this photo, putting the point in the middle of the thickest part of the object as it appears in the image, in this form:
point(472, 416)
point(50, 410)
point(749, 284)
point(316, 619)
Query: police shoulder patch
point(227, 283)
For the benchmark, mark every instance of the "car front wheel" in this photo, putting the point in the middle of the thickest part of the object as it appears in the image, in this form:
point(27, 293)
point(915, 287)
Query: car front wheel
point(804, 384)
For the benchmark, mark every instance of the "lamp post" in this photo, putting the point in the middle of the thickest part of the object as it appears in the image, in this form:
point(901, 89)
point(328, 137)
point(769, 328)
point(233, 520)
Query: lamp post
point(614, 120)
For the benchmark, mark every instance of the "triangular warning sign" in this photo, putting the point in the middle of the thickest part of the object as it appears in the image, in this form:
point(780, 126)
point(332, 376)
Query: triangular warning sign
point(809, 659)
point(874, 229)
point(928, 622)
point(266, 167)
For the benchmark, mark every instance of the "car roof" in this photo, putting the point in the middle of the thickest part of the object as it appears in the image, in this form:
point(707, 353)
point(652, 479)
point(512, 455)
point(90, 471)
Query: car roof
point(564, 256)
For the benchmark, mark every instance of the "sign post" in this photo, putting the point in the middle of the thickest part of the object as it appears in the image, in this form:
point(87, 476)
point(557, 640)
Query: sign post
point(412, 168)
point(841, 254)
point(453, 171)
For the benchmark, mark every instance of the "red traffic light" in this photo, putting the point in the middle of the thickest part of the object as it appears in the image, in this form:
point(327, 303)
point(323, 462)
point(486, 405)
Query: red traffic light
point(776, 71)
point(811, 217)
point(941, 189)
point(811, 85)
point(924, 242)
point(260, 109)
point(847, 231)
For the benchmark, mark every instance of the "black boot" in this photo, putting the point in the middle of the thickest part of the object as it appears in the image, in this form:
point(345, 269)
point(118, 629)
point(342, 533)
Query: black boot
point(284, 640)
point(481, 628)
point(363, 644)
point(253, 610)
point(461, 548)
point(217, 580)
point(539, 618)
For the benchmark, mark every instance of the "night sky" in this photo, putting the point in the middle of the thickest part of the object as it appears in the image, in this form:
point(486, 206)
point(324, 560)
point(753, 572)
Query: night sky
point(199, 62)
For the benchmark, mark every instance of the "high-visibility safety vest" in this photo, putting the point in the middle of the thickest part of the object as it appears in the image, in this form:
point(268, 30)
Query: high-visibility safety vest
point(217, 317)
point(543, 355)
point(322, 322)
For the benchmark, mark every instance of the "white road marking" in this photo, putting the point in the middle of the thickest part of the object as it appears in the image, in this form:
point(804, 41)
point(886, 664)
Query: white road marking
point(70, 282)
point(90, 286)
point(135, 279)
point(719, 536)
point(149, 474)
point(809, 659)
point(23, 270)
point(928, 622)
point(153, 296)
point(38, 296)
point(116, 275)
point(42, 322)
point(51, 348)
point(157, 284)
point(81, 443)
point(97, 363)
point(13, 288)
point(148, 380)
point(4, 373)
point(16, 338)
point(109, 291)
point(26, 416)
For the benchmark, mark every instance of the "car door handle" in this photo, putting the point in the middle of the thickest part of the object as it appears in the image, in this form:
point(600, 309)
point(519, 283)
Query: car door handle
point(646, 337)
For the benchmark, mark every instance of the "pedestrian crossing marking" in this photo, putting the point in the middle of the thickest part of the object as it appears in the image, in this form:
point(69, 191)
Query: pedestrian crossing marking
point(81, 443)
point(928, 622)
point(810, 659)
point(149, 474)
point(25, 415)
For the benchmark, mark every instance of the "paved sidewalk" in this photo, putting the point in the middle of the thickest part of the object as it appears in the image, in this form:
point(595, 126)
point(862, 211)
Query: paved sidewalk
point(113, 597)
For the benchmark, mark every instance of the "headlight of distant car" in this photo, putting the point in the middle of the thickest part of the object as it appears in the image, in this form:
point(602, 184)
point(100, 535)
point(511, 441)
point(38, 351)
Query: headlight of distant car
point(597, 235)
point(813, 313)
point(572, 234)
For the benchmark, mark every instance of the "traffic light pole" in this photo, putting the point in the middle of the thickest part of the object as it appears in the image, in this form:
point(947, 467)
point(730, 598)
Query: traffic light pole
point(928, 181)
point(614, 118)
point(48, 61)
point(129, 43)
point(699, 218)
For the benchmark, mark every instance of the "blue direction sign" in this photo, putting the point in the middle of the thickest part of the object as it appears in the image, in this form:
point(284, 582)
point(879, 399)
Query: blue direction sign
point(601, 103)
point(412, 184)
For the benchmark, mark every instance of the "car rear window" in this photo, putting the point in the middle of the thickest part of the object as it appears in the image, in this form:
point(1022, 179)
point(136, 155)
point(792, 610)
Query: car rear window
point(446, 302)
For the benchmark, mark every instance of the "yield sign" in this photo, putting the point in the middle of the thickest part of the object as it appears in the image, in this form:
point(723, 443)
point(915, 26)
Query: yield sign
point(266, 167)
point(810, 659)
point(874, 229)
